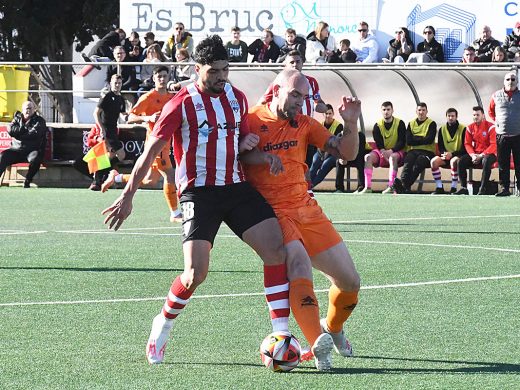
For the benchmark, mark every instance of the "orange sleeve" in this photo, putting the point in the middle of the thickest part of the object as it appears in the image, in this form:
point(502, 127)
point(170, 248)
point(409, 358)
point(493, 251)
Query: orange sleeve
point(142, 106)
point(318, 134)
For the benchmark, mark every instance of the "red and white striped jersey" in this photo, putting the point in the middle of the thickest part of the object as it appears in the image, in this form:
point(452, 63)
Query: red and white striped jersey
point(310, 102)
point(206, 132)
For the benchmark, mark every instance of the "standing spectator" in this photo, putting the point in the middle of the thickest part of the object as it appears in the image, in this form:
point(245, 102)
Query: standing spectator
point(481, 148)
point(344, 54)
point(106, 115)
point(504, 109)
point(400, 47)
point(451, 148)
point(127, 73)
point(512, 42)
point(264, 49)
point(420, 141)
point(237, 49)
point(104, 47)
point(485, 45)
point(469, 56)
point(320, 44)
point(292, 42)
point(29, 132)
point(428, 50)
point(180, 38)
point(366, 46)
point(390, 137)
point(499, 55)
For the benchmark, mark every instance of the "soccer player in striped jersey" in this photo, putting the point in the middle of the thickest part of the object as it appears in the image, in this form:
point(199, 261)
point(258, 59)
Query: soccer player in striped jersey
point(147, 110)
point(309, 236)
point(208, 122)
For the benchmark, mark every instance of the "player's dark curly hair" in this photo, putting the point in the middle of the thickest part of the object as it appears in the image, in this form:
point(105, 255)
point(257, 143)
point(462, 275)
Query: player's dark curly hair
point(209, 50)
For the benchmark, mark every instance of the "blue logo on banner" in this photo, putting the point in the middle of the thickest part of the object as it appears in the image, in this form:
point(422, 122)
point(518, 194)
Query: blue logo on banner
point(459, 35)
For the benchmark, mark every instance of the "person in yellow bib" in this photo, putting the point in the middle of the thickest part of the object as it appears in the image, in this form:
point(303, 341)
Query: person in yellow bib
point(390, 137)
point(420, 141)
point(451, 148)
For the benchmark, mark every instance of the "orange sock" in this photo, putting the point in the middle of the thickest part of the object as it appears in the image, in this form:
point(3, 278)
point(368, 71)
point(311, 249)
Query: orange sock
point(170, 193)
point(305, 309)
point(341, 305)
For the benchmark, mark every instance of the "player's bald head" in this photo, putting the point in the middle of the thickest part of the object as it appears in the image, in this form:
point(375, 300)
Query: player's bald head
point(290, 78)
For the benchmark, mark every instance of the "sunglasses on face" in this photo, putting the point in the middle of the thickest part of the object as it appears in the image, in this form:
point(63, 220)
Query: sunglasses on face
point(511, 79)
point(428, 32)
point(362, 30)
point(179, 28)
point(399, 32)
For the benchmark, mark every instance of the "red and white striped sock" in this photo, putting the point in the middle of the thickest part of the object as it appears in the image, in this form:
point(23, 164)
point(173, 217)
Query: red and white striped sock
point(177, 298)
point(436, 173)
point(454, 178)
point(276, 287)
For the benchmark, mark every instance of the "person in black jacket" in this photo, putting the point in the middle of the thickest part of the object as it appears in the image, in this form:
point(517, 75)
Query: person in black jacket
point(264, 50)
point(292, 42)
point(29, 132)
point(105, 46)
point(428, 50)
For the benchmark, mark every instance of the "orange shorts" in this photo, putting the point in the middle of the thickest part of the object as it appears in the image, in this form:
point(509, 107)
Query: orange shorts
point(162, 161)
point(310, 225)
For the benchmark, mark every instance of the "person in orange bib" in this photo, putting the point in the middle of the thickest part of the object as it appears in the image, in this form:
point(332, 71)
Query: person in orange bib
point(309, 236)
point(147, 110)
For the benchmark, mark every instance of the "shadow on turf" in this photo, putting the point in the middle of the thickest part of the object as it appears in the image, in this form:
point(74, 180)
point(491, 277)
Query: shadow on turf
point(106, 269)
point(476, 367)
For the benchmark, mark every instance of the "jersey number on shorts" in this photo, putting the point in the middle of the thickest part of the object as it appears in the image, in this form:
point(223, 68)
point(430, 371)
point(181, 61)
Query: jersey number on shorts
point(187, 210)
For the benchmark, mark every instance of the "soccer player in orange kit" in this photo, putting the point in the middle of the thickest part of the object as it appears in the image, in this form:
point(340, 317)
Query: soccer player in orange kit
point(309, 236)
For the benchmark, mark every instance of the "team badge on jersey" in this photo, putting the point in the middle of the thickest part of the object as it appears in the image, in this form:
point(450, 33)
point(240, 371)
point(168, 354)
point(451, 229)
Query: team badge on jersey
point(234, 105)
point(316, 96)
point(199, 107)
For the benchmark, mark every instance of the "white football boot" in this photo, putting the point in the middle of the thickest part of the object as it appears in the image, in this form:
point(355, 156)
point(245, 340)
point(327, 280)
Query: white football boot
point(161, 328)
point(321, 350)
point(341, 344)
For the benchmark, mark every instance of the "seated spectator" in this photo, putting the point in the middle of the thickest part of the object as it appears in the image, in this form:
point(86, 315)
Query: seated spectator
point(366, 46)
point(390, 137)
point(481, 147)
point(485, 45)
point(136, 53)
point(149, 39)
point(499, 55)
point(420, 141)
point(428, 50)
point(450, 141)
point(469, 56)
point(320, 44)
point(344, 54)
point(124, 41)
point(264, 49)
point(292, 42)
point(105, 47)
point(180, 38)
point(128, 74)
point(400, 47)
point(184, 70)
point(322, 162)
point(29, 138)
point(357, 163)
point(153, 56)
point(512, 42)
point(237, 49)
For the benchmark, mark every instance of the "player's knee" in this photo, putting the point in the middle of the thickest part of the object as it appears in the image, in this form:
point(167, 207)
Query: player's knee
point(350, 282)
point(277, 254)
point(298, 267)
point(193, 277)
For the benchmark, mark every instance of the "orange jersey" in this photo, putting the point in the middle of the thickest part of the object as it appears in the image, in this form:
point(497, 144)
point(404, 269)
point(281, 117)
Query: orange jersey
point(277, 136)
point(150, 103)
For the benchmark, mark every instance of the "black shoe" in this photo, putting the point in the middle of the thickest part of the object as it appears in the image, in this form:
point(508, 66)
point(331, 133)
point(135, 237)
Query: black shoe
point(439, 191)
point(503, 193)
point(453, 190)
point(95, 187)
point(482, 191)
point(26, 184)
point(462, 191)
point(398, 187)
point(339, 191)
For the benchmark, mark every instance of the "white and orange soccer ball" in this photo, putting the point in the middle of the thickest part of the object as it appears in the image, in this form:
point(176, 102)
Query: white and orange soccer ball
point(280, 351)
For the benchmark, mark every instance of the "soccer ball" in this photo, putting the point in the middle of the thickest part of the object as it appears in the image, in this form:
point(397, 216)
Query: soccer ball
point(280, 351)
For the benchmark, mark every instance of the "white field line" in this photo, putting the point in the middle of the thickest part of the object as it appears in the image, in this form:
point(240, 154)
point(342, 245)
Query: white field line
point(430, 218)
point(435, 245)
point(376, 287)
point(18, 232)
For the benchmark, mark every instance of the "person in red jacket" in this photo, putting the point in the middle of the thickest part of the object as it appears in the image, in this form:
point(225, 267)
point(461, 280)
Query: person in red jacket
point(481, 146)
